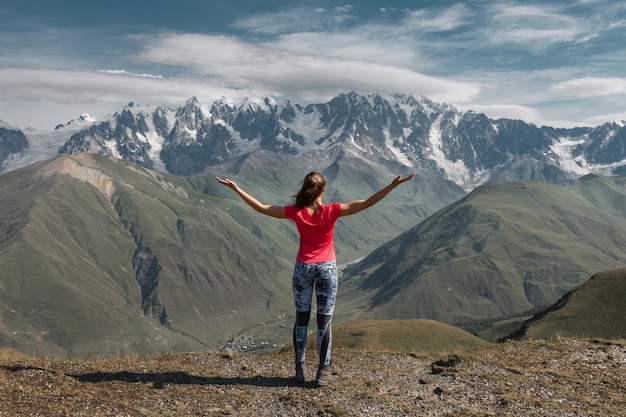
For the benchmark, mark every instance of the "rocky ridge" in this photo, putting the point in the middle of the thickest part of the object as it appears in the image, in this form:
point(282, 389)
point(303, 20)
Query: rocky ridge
point(567, 377)
point(436, 139)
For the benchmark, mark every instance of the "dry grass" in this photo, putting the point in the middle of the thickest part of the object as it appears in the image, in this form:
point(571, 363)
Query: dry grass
point(569, 377)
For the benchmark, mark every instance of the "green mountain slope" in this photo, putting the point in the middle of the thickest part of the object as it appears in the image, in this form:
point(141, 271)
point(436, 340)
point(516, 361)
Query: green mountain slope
point(276, 179)
point(101, 256)
point(595, 309)
point(503, 250)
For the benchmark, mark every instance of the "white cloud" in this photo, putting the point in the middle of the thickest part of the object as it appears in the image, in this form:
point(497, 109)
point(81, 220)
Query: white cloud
point(285, 72)
point(43, 98)
point(609, 117)
point(590, 86)
point(438, 20)
point(618, 24)
point(304, 79)
point(65, 85)
point(295, 20)
point(535, 27)
point(469, 53)
point(123, 72)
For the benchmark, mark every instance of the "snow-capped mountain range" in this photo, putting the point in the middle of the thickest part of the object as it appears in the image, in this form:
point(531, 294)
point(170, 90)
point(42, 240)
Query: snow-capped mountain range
point(465, 147)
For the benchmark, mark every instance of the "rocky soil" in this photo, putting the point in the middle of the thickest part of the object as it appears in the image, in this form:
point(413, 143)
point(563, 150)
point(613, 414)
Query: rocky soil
point(569, 377)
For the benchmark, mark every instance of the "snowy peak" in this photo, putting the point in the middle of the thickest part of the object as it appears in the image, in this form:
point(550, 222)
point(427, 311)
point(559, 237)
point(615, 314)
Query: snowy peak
point(82, 122)
point(437, 139)
point(136, 134)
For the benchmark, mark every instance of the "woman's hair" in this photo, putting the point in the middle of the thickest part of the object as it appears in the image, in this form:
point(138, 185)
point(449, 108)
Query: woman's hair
point(312, 186)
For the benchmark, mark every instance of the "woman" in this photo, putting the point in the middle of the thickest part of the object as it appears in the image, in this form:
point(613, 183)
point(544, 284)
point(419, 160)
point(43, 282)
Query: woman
point(316, 265)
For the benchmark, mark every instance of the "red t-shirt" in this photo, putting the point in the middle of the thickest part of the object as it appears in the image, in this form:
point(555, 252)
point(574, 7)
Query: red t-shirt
point(316, 232)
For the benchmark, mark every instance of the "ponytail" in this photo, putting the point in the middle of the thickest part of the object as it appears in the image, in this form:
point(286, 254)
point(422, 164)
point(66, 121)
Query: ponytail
point(312, 186)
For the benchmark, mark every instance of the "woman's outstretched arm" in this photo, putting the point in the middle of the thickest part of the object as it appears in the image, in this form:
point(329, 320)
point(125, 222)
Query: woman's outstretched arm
point(269, 210)
point(356, 206)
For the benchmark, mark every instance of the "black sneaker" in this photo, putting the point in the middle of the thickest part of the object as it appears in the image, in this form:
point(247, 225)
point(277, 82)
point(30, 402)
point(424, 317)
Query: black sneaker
point(299, 373)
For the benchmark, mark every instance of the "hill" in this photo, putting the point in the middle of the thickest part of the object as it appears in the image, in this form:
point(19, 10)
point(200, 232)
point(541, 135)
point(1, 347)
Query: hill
point(593, 309)
point(503, 250)
point(402, 336)
point(100, 256)
point(568, 377)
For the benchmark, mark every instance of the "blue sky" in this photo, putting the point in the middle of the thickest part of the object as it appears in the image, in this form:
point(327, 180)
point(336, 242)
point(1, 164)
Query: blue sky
point(556, 63)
